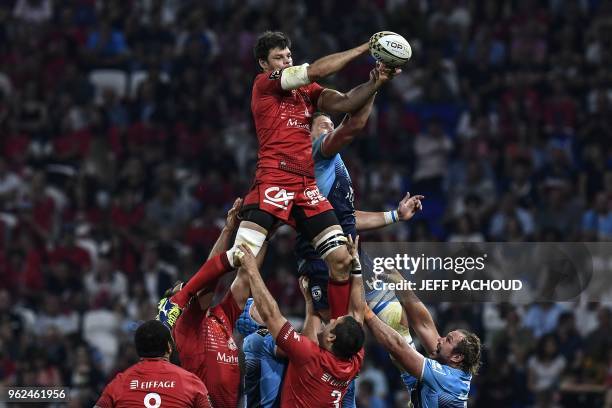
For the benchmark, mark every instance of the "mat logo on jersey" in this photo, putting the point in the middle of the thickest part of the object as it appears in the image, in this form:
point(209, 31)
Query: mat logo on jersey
point(294, 123)
point(133, 384)
point(280, 198)
point(314, 195)
point(226, 359)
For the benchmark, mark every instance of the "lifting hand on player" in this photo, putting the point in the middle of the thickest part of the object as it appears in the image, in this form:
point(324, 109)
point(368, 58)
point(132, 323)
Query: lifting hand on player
point(247, 259)
point(353, 249)
point(409, 206)
point(232, 220)
point(304, 288)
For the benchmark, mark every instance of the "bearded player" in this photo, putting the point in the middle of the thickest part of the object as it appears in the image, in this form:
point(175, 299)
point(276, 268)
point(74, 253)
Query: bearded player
point(284, 99)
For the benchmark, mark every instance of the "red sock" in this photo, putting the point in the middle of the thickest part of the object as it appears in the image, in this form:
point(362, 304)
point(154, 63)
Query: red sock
point(212, 270)
point(338, 294)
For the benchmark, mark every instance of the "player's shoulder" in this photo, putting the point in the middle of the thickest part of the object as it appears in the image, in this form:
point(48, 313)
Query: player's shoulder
point(267, 76)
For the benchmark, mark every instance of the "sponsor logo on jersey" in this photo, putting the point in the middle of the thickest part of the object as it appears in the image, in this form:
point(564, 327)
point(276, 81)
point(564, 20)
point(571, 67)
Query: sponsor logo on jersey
point(316, 293)
point(278, 197)
point(231, 344)
point(145, 385)
point(314, 195)
point(294, 123)
point(226, 359)
point(331, 380)
point(275, 75)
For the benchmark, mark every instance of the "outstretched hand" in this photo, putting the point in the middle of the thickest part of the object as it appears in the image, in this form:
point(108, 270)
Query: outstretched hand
point(409, 206)
point(385, 73)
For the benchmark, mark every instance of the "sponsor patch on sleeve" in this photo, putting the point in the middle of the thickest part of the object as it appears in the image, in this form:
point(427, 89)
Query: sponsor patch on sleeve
point(275, 75)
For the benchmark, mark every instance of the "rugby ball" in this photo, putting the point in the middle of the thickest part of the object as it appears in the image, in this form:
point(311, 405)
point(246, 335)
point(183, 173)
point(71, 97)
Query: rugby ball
point(390, 48)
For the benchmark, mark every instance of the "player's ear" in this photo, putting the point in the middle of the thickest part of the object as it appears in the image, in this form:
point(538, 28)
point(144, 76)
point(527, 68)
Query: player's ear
point(331, 337)
point(456, 358)
point(263, 64)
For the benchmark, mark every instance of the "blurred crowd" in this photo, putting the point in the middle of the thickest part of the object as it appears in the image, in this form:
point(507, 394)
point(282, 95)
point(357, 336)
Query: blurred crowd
point(126, 134)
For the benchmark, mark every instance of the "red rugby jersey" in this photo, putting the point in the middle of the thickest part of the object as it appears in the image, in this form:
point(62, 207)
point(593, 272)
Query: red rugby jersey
point(315, 377)
point(282, 122)
point(154, 382)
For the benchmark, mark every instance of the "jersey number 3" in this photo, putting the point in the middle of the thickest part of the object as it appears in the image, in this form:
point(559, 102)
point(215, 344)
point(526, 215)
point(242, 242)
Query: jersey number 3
point(338, 395)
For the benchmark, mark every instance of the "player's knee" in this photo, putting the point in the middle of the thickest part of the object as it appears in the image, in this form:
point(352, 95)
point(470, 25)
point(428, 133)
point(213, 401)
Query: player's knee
point(252, 238)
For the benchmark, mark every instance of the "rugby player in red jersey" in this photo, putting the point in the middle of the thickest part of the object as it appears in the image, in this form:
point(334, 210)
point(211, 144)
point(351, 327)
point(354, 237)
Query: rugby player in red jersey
point(283, 100)
point(154, 382)
point(322, 360)
point(203, 333)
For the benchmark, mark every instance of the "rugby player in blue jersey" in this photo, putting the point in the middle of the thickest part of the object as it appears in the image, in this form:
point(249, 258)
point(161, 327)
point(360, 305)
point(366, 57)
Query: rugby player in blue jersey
point(444, 378)
point(333, 181)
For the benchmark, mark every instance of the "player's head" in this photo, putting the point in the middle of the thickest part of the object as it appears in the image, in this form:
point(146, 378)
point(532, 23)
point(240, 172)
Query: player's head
point(343, 336)
point(461, 349)
point(273, 51)
point(320, 124)
point(153, 339)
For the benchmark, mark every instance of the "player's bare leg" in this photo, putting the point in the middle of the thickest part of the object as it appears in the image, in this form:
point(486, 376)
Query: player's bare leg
point(249, 233)
point(331, 244)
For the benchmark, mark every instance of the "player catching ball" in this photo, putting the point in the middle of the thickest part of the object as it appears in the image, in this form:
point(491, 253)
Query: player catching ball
point(284, 99)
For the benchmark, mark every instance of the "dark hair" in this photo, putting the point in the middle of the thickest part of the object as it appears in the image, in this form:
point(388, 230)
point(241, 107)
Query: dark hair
point(318, 114)
point(469, 347)
point(349, 338)
point(267, 41)
point(152, 338)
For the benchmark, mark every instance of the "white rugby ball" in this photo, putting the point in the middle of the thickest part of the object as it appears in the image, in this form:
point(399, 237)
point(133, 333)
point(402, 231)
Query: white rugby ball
point(390, 48)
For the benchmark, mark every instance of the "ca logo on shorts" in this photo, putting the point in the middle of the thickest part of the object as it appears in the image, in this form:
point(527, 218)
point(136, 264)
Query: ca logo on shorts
point(280, 198)
point(316, 293)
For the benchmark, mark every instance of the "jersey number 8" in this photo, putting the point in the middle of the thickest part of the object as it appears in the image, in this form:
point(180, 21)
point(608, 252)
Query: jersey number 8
point(152, 400)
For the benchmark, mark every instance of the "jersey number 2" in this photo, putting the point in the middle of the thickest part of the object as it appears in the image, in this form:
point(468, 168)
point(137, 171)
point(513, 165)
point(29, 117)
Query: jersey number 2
point(152, 400)
point(338, 395)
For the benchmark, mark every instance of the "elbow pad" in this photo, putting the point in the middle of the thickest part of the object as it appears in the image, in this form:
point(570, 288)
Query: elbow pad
point(294, 77)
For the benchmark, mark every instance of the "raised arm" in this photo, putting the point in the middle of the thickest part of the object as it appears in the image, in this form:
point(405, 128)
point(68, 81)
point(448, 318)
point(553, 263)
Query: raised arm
point(312, 321)
point(333, 63)
point(231, 224)
point(357, 296)
point(406, 209)
point(344, 134)
point(333, 101)
point(419, 317)
point(266, 305)
point(222, 243)
point(407, 357)
point(240, 285)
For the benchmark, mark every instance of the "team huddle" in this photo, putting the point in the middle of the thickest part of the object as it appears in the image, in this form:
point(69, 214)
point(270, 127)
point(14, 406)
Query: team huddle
point(301, 181)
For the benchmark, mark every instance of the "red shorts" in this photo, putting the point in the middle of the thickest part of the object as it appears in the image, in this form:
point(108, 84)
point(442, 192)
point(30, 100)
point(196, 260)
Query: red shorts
point(279, 192)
